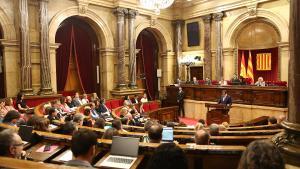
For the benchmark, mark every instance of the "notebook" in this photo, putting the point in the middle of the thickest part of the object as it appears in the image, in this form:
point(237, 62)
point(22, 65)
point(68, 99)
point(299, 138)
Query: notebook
point(167, 134)
point(123, 154)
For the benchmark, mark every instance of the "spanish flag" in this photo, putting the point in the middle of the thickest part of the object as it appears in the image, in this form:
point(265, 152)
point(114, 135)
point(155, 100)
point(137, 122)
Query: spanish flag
point(243, 66)
point(250, 68)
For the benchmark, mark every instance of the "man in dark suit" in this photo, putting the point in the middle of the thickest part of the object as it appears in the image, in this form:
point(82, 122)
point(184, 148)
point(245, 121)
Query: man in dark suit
point(180, 97)
point(225, 99)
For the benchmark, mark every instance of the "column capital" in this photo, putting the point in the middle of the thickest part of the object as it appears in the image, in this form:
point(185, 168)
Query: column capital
point(120, 11)
point(218, 16)
point(132, 13)
point(178, 22)
point(207, 18)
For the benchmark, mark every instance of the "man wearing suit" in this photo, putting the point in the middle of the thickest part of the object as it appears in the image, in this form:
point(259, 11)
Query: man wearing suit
point(225, 99)
point(180, 97)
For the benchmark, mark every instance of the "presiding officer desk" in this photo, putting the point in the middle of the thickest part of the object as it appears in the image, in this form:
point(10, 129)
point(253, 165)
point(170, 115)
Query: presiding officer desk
point(272, 96)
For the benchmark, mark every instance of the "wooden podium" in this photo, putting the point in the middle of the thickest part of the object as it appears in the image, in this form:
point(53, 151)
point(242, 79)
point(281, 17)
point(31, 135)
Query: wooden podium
point(217, 113)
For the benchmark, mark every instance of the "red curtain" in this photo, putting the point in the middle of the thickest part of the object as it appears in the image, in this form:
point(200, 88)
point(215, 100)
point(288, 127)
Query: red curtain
point(271, 75)
point(84, 50)
point(148, 56)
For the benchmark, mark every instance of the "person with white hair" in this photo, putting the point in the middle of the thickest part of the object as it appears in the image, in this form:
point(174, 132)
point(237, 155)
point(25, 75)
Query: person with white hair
point(260, 82)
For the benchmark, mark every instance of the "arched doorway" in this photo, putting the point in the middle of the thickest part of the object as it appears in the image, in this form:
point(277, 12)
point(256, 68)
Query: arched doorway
point(147, 62)
point(260, 40)
point(2, 78)
point(77, 58)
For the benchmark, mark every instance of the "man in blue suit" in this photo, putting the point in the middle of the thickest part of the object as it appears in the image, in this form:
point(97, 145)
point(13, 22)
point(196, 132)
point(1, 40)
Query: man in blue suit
point(225, 99)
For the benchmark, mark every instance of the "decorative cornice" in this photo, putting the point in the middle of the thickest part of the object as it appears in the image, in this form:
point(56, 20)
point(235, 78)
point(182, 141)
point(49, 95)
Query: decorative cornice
point(132, 13)
point(178, 22)
point(207, 18)
point(119, 11)
point(218, 16)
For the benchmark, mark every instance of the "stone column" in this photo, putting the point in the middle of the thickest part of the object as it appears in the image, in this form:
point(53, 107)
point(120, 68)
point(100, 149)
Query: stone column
point(120, 13)
point(26, 74)
point(289, 140)
point(219, 59)
point(45, 55)
point(178, 46)
point(229, 65)
point(284, 55)
point(132, 45)
point(207, 46)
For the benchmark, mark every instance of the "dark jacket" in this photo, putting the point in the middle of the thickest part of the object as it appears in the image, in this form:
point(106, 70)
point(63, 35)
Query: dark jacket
point(180, 96)
point(226, 101)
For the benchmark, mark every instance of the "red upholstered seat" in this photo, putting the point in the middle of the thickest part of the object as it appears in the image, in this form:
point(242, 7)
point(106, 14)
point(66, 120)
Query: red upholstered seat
point(153, 105)
point(121, 102)
point(118, 112)
point(146, 107)
point(108, 104)
point(114, 104)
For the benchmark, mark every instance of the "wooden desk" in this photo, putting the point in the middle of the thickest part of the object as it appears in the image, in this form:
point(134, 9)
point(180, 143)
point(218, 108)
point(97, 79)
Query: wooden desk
point(250, 95)
point(134, 166)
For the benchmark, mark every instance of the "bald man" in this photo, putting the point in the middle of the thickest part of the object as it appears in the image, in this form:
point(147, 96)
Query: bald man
point(202, 137)
point(11, 144)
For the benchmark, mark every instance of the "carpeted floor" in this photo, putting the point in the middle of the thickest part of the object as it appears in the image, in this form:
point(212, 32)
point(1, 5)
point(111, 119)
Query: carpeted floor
point(188, 121)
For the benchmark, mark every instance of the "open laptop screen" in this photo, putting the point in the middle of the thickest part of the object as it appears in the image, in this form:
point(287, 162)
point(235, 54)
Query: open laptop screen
point(167, 134)
point(125, 146)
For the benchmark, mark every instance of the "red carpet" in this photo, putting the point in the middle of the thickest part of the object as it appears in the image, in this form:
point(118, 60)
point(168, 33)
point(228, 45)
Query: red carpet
point(188, 121)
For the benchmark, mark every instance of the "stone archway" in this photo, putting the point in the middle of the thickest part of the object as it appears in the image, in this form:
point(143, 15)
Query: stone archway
point(233, 30)
point(104, 36)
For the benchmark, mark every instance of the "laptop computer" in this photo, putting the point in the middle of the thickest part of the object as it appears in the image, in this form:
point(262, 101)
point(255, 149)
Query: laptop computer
point(123, 153)
point(167, 134)
point(25, 132)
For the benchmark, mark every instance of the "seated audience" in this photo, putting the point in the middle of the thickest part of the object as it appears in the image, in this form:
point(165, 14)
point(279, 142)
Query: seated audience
point(261, 154)
point(260, 82)
point(135, 99)
point(202, 137)
point(78, 119)
point(20, 102)
point(94, 97)
point(127, 100)
point(202, 121)
point(87, 121)
point(94, 112)
point(69, 128)
point(70, 103)
point(103, 110)
point(11, 118)
point(207, 81)
point(225, 98)
point(235, 80)
point(84, 99)
point(168, 156)
point(199, 126)
point(76, 100)
point(109, 133)
point(223, 82)
point(11, 144)
point(214, 129)
point(147, 125)
point(9, 104)
point(62, 106)
point(272, 120)
point(3, 110)
point(144, 99)
point(195, 81)
point(117, 124)
point(99, 123)
point(83, 147)
point(41, 124)
point(155, 133)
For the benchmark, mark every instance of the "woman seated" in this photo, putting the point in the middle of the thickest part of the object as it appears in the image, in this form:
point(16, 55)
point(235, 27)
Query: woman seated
point(41, 124)
point(20, 102)
point(127, 100)
point(144, 98)
point(9, 104)
point(53, 116)
point(84, 99)
point(94, 97)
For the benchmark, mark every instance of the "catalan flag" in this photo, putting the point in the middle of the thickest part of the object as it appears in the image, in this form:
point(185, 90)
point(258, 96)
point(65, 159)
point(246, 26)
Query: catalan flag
point(250, 68)
point(263, 61)
point(243, 67)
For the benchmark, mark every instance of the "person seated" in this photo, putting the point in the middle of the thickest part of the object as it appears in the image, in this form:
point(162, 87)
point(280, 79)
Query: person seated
point(88, 120)
point(155, 133)
point(99, 123)
point(235, 80)
point(199, 126)
point(147, 126)
point(21, 103)
point(125, 114)
point(225, 124)
point(168, 156)
point(41, 124)
point(94, 97)
point(11, 118)
point(3, 110)
point(11, 144)
point(78, 119)
point(109, 133)
point(202, 121)
point(69, 128)
point(83, 147)
point(135, 99)
point(222, 127)
point(62, 105)
point(144, 99)
point(94, 113)
point(70, 103)
point(272, 120)
point(223, 82)
point(117, 124)
point(260, 82)
point(202, 137)
point(242, 80)
point(76, 100)
point(207, 81)
point(214, 129)
point(195, 81)
point(170, 124)
point(142, 110)
point(53, 116)
point(261, 154)
point(225, 99)
point(103, 110)
point(9, 104)
point(84, 99)
point(127, 99)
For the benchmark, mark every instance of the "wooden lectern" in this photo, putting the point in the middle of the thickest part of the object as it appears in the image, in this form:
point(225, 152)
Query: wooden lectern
point(217, 113)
